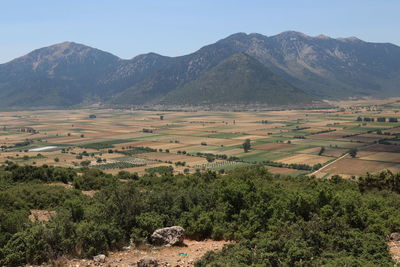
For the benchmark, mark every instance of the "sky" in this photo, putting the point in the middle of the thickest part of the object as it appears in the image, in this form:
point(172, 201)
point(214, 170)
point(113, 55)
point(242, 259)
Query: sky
point(127, 28)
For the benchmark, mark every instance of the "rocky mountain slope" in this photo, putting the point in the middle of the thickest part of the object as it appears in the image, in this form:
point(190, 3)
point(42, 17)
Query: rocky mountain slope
point(68, 73)
point(237, 79)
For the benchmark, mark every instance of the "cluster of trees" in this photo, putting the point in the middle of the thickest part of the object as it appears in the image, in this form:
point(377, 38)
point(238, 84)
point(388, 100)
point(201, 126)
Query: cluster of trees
point(133, 150)
point(379, 119)
point(211, 157)
point(290, 221)
point(296, 166)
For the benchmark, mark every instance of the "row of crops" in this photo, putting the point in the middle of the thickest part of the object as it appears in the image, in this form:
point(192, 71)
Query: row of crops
point(134, 160)
point(117, 165)
point(215, 164)
point(104, 144)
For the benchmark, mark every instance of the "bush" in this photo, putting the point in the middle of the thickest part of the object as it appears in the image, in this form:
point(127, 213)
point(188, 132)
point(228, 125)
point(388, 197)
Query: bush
point(285, 221)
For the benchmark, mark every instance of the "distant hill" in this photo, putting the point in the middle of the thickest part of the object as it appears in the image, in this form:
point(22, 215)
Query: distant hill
point(59, 75)
point(237, 79)
point(322, 67)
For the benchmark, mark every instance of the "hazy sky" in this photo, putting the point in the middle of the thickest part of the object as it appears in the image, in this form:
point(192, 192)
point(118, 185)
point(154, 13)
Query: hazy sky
point(127, 28)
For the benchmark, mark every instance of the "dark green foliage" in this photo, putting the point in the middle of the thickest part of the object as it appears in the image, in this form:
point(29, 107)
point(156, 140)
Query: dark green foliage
point(104, 144)
point(385, 180)
point(127, 175)
point(92, 179)
point(276, 221)
point(246, 145)
point(160, 170)
point(117, 165)
point(132, 150)
point(296, 166)
point(44, 173)
point(353, 152)
point(85, 163)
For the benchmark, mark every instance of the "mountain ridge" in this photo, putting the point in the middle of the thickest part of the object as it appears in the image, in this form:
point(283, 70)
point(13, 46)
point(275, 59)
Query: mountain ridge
point(70, 73)
point(238, 79)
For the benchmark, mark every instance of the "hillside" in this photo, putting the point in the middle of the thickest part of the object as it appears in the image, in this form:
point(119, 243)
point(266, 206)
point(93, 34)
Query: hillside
point(238, 79)
point(59, 75)
point(270, 221)
point(68, 73)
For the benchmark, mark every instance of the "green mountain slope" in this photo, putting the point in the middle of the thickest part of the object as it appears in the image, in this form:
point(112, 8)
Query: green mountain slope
point(239, 79)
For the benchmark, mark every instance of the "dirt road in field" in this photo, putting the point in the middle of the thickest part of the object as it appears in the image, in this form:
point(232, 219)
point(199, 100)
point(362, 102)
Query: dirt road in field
point(317, 171)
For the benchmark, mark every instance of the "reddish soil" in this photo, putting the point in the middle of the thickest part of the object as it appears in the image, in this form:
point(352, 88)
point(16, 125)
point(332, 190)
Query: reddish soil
point(90, 193)
point(394, 249)
point(41, 215)
point(359, 167)
point(382, 148)
point(166, 256)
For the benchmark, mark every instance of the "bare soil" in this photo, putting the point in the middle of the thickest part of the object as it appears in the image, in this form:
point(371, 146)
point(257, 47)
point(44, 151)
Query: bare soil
point(394, 249)
point(166, 256)
point(41, 215)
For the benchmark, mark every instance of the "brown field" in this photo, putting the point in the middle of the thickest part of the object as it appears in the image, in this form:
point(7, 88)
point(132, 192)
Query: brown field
point(359, 167)
point(290, 136)
point(305, 159)
point(380, 156)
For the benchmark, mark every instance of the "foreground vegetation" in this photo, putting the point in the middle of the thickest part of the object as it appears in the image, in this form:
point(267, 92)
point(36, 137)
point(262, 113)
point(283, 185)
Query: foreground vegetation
point(275, 221)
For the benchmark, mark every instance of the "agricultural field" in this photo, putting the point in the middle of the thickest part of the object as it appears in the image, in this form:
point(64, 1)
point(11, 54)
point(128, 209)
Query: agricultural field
point(287, 141)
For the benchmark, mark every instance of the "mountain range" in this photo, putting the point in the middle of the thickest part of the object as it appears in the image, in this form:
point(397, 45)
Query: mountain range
point(288, 68)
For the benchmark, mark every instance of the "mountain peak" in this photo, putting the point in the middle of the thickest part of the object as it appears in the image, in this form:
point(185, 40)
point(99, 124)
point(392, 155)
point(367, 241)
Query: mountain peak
point(240, 68)
point(65, 45)
point(65, 51)
point(237, 36)
point(238, 79)
point(350, 39)
point(292, 34)
point(322, 36)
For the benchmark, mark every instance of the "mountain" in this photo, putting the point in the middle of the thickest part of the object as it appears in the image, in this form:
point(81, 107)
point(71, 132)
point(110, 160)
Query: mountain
point(329, 67)
point(178, 72)
point(68, 73)
point(237, 79)
point(59, 75)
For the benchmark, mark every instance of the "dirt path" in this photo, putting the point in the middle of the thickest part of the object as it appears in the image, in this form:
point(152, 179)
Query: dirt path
point(166, 256)
point(394, 249)
point(317, 171)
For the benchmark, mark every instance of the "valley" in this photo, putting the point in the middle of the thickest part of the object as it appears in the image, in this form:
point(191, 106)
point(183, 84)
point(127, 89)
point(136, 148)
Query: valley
point(287, 142)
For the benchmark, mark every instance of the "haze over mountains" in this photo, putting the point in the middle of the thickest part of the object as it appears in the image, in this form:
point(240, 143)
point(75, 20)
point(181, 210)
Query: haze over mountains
point(288, 68)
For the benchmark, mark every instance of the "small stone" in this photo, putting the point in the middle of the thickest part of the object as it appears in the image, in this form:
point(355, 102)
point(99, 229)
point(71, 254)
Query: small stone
point(147, 262)
point(101, 258)
point(394, 237)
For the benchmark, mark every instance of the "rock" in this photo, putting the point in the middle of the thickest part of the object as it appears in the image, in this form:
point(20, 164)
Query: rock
point(168, 236)
point(101, 258)
point(147, 262)
point(394, 237)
